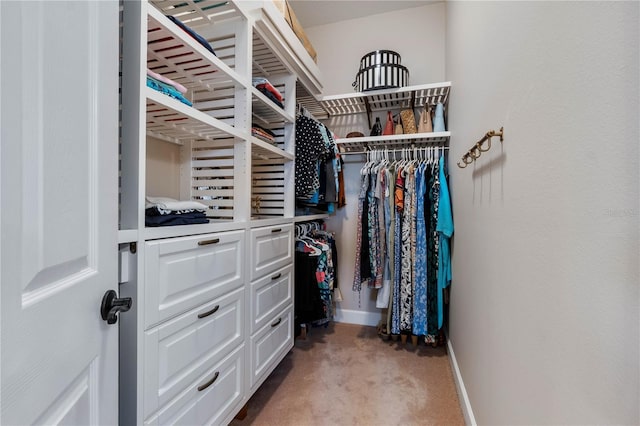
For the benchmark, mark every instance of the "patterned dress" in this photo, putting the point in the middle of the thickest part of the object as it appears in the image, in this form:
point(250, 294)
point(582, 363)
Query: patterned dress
point(406, 283)
point(374, 233)
point(358, 276)
point(399, 208)
point(310, 147)
point(420, 262)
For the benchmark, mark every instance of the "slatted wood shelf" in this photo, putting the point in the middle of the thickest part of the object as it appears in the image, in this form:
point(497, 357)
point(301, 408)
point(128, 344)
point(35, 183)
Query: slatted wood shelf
point(414, 97)
point(266, 111)
point(277, 50)
point(352, 145)
point(266, 151)
point(199, 13)
point(172, 53)
point(172, 121)
point(384, 100)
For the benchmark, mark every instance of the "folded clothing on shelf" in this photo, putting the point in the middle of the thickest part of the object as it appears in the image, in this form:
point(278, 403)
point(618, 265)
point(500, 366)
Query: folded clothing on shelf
point(176, 219)
point(261, 133)
point(197, 37)
point(179, 87)
point(163, 211)
point(263, 83)
point(167, 90)
point(267, 89)
point(272, 98)
point(167, 205)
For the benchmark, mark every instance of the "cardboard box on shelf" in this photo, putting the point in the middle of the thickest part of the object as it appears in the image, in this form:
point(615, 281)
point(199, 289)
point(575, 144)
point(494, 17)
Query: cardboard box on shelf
point(293, 22)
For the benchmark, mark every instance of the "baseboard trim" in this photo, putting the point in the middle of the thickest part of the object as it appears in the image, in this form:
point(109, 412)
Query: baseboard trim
point(467, 411)
point(350, 316)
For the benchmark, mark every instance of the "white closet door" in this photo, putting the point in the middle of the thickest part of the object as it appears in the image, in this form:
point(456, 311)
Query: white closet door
point(58, 212)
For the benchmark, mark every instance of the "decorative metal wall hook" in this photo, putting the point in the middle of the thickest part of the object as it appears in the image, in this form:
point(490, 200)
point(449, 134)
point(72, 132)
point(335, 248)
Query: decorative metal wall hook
point(476, 150)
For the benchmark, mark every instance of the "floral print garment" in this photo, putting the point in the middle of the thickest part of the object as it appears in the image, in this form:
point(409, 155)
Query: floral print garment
point(406, 283)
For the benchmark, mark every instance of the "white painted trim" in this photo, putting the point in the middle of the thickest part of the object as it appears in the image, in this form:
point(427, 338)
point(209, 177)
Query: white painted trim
point(351, 316)
point(465, 404)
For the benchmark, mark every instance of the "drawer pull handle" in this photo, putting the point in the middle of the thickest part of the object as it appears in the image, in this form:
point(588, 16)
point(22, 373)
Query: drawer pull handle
point(273, 231)
point(279, 320)
point(207, 242)
point(209, 383)
point(211, 312)
point(275, 277)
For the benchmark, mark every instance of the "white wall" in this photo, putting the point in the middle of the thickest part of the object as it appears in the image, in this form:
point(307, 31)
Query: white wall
point(417, 34)
point(544, 305)
point(162, 169)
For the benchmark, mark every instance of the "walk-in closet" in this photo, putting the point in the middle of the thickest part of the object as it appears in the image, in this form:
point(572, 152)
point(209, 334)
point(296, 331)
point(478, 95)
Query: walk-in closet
point(309, 212)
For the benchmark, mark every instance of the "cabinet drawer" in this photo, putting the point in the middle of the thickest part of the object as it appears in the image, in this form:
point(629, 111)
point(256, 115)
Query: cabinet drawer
point(183, 272)
point(270, 345)
point(271, 248)
point(182, 349)
point(212, 403)
point(270, 295)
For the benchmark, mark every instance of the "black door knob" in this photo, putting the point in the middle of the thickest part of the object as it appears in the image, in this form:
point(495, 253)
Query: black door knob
point(111, 305)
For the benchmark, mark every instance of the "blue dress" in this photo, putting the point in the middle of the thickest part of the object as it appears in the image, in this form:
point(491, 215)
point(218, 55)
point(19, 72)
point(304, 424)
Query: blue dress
point(444, 228)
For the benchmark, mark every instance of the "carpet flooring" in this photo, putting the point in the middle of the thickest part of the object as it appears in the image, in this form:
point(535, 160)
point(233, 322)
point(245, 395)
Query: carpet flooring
point(346, 375)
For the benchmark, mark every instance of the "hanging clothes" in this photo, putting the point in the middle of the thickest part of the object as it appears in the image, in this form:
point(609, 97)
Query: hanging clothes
point(315, 275)
point(420, 277)
point(432, 266)
point(317, 169)
point(310, 148)
point(406, 260)
point(444, 227)
point(402, 242)
point(397, 250)
point(382, 299)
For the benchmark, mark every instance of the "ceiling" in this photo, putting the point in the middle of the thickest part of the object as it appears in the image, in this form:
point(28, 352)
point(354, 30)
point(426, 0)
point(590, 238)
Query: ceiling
point(312, 13)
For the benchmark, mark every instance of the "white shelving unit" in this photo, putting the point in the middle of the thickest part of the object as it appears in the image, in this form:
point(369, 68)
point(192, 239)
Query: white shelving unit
point(377, 101)
point(386, 99)
point(203, 286)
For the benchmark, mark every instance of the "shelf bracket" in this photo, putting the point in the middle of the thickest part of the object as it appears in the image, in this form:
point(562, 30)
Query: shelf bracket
point(368, 107)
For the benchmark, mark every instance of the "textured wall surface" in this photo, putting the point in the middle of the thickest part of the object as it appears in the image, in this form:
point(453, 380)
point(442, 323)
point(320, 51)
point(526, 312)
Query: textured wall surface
point(544, 306)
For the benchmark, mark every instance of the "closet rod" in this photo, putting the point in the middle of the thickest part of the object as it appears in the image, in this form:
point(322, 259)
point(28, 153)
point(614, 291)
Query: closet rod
point(476, 150)
point(408, 149)
point(301, 110)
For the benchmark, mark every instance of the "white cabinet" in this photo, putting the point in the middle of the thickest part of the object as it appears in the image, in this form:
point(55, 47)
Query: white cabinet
point(269, 345)
point(271, 248)
point(211, 400)
point(184, 349)
point(183, 272)
point(270, 300)
point(212, 311)
point(269, 295)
